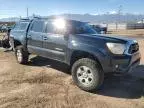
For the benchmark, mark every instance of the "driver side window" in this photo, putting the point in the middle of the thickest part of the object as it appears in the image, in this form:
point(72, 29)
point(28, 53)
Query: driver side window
point(37, 26)
point(50, 28)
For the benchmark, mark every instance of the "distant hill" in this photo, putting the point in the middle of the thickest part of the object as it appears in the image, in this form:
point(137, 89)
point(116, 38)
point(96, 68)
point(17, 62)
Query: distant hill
point(104, 18)
point(13, 19)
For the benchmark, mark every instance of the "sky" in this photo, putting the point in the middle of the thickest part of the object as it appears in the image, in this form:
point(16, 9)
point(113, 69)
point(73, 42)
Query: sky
point(17, 8)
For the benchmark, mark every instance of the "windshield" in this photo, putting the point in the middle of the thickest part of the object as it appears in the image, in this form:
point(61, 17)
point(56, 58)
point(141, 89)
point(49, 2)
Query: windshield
point(82, 28)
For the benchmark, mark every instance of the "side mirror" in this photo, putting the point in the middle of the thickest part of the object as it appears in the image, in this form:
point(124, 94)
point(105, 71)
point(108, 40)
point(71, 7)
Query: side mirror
point(81, 29)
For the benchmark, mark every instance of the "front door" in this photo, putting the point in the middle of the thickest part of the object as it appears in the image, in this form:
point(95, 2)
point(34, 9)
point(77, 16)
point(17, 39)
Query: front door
point(54, 43)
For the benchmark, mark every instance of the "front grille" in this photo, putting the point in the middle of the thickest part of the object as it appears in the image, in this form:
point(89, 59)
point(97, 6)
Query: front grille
point(133, 48)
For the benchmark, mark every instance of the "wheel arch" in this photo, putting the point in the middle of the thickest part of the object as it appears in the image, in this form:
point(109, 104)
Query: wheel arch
point(16, 43)
point(77, 54)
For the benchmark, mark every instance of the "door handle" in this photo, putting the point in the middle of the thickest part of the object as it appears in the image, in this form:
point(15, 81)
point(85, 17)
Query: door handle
point(45, 38)
point(29, 37)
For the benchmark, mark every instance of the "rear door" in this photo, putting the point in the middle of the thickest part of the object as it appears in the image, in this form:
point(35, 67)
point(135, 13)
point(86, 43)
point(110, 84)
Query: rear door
point(20, 30)
point(35, 37)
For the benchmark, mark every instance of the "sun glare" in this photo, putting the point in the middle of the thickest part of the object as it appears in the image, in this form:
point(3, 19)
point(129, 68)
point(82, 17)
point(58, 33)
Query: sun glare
point(59, 23)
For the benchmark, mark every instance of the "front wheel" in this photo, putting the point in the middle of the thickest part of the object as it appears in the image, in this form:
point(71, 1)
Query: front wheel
point(21, 55)
point(87, 74)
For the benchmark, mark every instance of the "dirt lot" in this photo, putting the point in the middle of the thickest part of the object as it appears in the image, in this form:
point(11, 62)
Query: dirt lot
point(45, 83)
point(136, 32)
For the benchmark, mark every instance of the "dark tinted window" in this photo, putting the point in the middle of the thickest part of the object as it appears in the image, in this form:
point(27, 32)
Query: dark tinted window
point(17, 25)
point(37, 26)
point(73, 27)
point(50, 28)
point(23, 25)
point(81, 28)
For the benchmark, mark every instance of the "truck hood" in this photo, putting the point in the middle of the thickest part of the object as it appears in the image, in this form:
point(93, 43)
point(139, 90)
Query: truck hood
point(107, 38)
point(120, 38)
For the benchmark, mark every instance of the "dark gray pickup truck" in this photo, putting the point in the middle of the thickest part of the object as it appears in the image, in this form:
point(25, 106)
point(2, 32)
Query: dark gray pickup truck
point(89, 55)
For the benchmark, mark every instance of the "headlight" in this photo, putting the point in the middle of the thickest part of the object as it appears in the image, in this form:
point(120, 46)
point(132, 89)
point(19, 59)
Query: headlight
point(116, 48)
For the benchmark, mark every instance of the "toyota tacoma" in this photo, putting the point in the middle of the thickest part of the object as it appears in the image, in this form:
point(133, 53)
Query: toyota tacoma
point(89, 55)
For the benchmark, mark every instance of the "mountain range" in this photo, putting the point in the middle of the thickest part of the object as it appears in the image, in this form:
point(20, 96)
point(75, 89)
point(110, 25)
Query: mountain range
point(96, 19)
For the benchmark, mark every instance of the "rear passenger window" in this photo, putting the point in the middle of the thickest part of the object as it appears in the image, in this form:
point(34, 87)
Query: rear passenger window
point(37, 26)
point(50, 28)
point(16, 27)
point(23, 25)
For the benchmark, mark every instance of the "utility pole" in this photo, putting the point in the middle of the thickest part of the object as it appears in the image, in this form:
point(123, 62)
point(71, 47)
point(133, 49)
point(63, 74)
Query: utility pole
point(119, 13)
point(27, 12)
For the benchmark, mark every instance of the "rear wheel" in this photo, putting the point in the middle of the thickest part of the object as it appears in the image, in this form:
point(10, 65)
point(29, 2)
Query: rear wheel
point(87, 74)
point(21, 55)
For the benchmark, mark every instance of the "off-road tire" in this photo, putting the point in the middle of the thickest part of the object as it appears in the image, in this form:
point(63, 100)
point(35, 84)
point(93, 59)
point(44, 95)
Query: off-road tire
point(98, 74)
point(24, 55)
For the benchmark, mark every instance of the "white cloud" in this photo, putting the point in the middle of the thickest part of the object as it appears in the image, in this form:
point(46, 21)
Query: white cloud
point(94, 13)
point(113, 12)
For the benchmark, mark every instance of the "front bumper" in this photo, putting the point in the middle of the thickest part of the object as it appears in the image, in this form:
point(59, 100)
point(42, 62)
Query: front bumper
point(125, 63)
point(120, 64)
